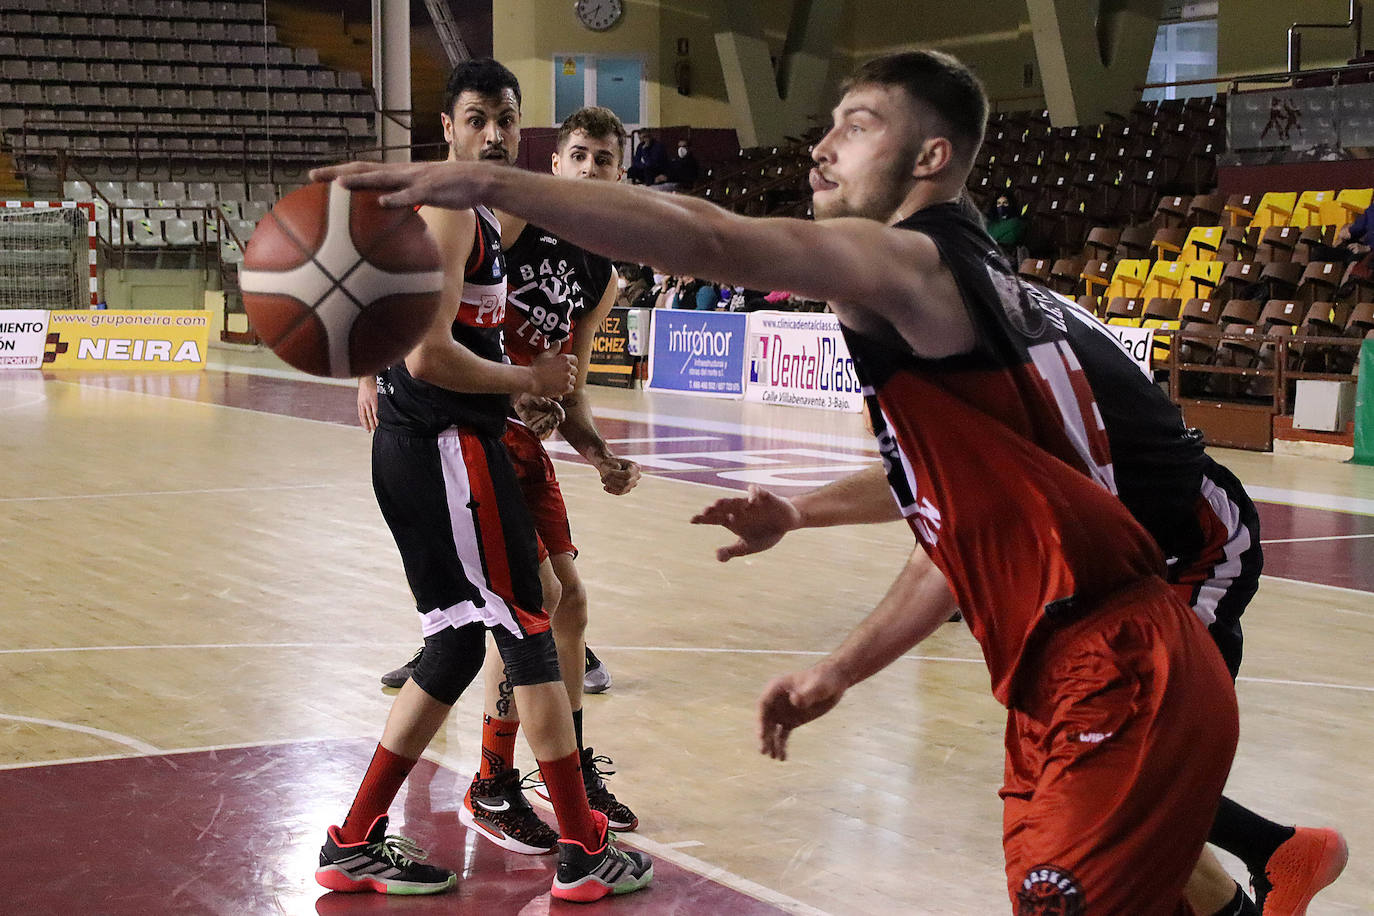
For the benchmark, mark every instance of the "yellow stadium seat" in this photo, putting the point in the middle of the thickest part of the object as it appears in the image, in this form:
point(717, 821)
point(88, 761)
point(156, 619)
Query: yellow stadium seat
point(1315, 208)
point(1353, 202)
point(1128, 278)
point(1275, 209)
point(1202, 243)
point(1163, 280)
point(1200, 279)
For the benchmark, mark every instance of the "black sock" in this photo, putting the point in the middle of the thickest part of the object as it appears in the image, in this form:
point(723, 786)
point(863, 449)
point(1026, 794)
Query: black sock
point(1246, 835)
point(577, 727)
point(1240, 905)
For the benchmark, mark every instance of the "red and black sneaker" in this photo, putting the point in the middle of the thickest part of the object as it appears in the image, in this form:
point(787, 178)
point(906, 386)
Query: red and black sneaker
point(585, 875)
point(599, 798)
point(496, 808)
point(380, 863)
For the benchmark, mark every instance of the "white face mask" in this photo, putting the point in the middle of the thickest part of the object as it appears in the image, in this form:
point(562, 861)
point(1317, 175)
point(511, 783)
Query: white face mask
point(659, 279)
point(682, 152)
point(621, 282)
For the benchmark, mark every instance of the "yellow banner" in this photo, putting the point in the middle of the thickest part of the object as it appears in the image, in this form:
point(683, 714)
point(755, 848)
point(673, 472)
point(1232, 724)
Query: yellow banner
point(173, 340)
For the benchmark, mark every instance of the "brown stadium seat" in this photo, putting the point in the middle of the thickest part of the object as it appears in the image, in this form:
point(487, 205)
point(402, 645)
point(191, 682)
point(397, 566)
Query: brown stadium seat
point(1097, 276)
point(1101, 242)
point(1167, 244)
point(1241, 208)
point(1237, 244)
point(1312, 244)
point(1197, 314)
point(1276, 244)
point(1361, 320)
point(1206, 210)
point(1126, 311)
point(1064, 275)
point(1134, 242)
point(1357, 285)
point(1320, 280)
point(1037, 269)
point(1237, 278)
point(1171, 213)
point(1090, 304)
point(1280, 279)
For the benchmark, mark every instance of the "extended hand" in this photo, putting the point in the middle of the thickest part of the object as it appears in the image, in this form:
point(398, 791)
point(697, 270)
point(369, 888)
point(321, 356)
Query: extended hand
point(451, 185)
point(793, 700)
point(760, 521)
point(618, 475)
point(541, 415)
point(554, 374)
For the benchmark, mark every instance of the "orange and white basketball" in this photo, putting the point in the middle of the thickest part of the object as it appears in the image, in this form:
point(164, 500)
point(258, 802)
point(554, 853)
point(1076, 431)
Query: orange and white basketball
point(337, 285)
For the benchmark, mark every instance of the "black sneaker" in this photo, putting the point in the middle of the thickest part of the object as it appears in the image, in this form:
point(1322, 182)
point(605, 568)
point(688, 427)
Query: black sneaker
point(399, 676)
point(596, 677)
point(381, 863)
point(599, 797)
point(585, 875)
point(497, 809)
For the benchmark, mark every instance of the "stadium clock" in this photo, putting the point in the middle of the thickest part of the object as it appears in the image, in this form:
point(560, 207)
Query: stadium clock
point(599, 15)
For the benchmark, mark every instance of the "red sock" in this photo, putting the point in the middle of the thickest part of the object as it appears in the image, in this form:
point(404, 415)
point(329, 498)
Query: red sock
point(383, 780)
point(563, 778)
point(498, 745)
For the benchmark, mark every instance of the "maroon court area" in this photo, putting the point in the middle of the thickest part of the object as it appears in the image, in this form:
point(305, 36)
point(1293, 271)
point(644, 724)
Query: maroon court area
point(235, 832)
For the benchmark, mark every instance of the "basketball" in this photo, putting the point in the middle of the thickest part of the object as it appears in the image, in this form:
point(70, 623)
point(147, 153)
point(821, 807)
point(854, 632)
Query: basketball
point(338, 285)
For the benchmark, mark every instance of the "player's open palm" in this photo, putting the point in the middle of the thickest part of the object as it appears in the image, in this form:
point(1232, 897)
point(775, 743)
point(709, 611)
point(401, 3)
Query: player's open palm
point(555, 374)
point(759, 520)
point(793, 700)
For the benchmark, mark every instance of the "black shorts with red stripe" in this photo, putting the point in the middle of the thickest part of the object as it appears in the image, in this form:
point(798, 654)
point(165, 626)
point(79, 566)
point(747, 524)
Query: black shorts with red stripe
point(466, 538)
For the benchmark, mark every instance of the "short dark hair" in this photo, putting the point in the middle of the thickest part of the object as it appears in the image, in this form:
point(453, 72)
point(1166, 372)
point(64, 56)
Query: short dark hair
point(596, 122)
point(481, 75)
point(940, 81)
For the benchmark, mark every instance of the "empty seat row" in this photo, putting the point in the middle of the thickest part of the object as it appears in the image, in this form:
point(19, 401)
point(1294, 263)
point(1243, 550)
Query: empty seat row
point(183, 76)
point(154, 52)
point(1207, 243)
point(1298, 209)
point(249, 201)
point(22, 26)
point(222, 10)
point(146, 98)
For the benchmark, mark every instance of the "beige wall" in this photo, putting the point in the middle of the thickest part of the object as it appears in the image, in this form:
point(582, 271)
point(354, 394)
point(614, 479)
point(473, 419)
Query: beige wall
point(1252, 35)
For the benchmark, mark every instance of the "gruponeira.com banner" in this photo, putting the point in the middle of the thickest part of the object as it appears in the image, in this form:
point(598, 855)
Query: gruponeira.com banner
point(698, 352)
point(171, 340)
point(800, 359)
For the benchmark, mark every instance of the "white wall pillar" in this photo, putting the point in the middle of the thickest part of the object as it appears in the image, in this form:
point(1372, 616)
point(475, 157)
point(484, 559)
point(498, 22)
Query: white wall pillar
point(391, 75)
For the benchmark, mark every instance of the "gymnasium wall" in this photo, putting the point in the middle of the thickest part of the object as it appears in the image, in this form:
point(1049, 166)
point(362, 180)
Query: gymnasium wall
point(1252, 35)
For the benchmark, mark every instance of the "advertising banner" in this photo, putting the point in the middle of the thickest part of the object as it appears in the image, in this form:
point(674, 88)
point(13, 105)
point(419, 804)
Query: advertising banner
point(612, 362)
point(171, 340)
point(698, 352)
point(23, 332)
point(800, 359)
point(1137, 342)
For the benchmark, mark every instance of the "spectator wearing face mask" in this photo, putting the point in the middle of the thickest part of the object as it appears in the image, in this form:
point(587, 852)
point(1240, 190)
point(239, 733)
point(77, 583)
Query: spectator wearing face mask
point(1005, 224)
point(683, 169)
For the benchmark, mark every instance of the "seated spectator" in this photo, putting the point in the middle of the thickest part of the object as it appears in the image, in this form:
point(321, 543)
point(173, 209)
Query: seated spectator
point(649, 165)
point(1005, 224)
point(634, 282)
point(683, 170)
point(708, 297)
point(1357, 237)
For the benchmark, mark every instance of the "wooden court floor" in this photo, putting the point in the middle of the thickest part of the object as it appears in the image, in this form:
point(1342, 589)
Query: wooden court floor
point(199, 595)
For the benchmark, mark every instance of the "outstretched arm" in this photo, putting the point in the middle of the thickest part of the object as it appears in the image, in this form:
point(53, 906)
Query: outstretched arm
point(762, 518)
point(915, 605)
point(876, 278)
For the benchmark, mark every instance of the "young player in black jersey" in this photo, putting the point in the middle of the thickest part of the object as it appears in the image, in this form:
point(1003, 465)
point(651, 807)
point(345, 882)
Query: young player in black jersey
point(447, 489)
point(557, 296)
point(1196, 510)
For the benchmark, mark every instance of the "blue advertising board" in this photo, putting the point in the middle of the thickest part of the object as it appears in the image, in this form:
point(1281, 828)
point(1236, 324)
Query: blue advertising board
point(698, 352)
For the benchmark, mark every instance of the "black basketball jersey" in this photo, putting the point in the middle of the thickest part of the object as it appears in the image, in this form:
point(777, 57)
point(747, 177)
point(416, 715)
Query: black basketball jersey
point(419, 408)
point(998, 458)
point(1159, 461)
point(553, 283)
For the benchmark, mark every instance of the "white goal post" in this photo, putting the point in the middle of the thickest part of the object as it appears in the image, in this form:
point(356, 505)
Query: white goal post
point(47, 255)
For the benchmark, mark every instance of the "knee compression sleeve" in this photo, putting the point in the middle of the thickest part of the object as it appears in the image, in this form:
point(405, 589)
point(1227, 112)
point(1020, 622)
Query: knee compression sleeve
point(529, 661)
point(451, 660)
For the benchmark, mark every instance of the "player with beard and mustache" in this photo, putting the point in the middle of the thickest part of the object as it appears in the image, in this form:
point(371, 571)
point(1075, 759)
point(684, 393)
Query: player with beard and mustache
point(448, 490)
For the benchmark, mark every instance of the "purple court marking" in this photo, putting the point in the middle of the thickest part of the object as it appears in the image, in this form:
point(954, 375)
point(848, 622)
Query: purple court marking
point(239, 831)
point(734, 461)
